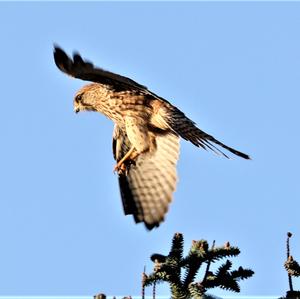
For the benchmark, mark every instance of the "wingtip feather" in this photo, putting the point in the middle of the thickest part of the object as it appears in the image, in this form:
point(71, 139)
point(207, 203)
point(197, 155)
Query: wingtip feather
point(62, 60)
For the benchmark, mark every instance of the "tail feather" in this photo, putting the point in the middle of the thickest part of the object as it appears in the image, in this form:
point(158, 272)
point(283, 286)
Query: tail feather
point(187, 129)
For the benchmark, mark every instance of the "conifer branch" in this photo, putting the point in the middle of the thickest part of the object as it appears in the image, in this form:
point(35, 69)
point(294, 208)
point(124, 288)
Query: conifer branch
point(208, 263)
point(168, 269)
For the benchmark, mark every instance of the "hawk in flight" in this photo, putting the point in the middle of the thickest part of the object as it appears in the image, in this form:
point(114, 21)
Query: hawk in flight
point(145, 138)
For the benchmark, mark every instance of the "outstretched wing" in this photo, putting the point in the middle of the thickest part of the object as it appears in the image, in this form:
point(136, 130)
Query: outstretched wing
point(85, 70)
point(187, 129)
point(147, 188)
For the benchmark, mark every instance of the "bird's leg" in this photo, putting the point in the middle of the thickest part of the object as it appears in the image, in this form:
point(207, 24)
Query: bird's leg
point(129, 156)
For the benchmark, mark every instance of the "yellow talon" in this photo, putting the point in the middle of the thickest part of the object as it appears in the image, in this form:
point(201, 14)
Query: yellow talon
point(130, 156)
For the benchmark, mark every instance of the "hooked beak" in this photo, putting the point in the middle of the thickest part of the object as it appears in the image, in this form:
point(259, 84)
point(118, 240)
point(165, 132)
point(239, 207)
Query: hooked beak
point(76, 110)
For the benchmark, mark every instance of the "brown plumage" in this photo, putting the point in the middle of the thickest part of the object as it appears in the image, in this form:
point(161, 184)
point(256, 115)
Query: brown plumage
point(145, 138)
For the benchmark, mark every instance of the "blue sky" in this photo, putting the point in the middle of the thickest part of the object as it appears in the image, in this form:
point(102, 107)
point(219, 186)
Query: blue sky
point(234, 68)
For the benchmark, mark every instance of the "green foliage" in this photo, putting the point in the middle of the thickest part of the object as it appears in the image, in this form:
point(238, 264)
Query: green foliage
point(169, 268)
point(226, 279)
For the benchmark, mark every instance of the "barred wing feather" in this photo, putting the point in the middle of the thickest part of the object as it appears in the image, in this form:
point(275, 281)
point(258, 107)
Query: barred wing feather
point(148, 187)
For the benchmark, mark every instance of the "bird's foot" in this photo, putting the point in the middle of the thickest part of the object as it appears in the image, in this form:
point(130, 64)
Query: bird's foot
point(124, 164)
point(122, 167)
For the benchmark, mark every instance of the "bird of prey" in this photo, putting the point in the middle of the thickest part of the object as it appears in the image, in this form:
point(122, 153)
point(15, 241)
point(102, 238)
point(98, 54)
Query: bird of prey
point(147, 129)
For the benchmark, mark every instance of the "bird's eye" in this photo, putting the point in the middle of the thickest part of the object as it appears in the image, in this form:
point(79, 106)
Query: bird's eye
point(78, 98)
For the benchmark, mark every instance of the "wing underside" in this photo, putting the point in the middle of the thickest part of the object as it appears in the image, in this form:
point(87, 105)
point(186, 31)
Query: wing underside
point(148, 187)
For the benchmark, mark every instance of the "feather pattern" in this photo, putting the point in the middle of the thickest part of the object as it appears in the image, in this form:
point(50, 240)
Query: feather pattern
point(145, 139)
point(147, 188)
point(187, 129)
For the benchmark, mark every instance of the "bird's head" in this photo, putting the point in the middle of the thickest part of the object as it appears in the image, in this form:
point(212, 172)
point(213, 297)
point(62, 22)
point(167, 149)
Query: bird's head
point(85, 99)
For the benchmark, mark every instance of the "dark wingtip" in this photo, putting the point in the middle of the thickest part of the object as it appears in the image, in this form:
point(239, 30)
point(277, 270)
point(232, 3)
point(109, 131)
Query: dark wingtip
point(59, 54)
point(62, 60)
point(245, 156)
point(234, 151)
point(77, 57)
point(56, 46)
point(78, 61)
point(151, 226)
